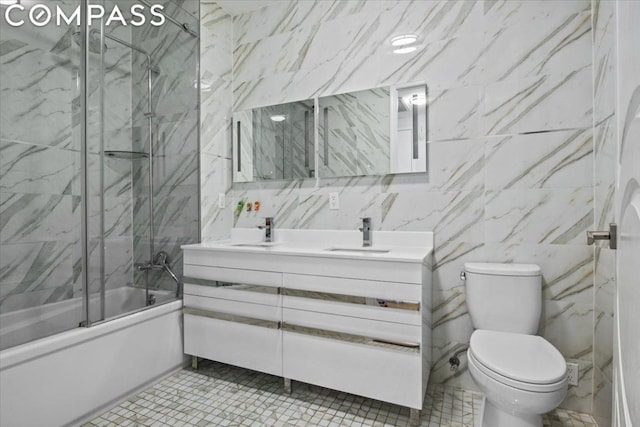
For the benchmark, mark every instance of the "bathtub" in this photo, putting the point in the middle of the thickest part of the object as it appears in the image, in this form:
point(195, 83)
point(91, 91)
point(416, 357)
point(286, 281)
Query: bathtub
point(66, 378)
point(24, 326)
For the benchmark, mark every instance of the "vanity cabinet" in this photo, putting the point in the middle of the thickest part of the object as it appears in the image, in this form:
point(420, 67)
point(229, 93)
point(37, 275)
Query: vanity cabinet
point(354, 324)
point(233, 316)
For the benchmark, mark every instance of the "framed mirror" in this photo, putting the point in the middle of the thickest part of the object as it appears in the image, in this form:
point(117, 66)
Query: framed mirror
point(274, 142)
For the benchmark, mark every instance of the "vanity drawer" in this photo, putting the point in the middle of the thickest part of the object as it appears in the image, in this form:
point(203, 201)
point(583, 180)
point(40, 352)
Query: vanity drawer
point(378, 373)
point(368, 299)
point(409, 335)
point(216, 305)
point(233, 275)
point(359, 308)
point(242, 292)
point(251, 346)
point(393, 291)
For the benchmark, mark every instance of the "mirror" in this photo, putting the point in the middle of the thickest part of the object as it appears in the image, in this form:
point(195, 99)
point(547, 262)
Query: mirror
point(370, 132)
point(274, 142)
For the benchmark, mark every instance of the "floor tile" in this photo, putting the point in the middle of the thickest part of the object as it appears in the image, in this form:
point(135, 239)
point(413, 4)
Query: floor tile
point(223, 395)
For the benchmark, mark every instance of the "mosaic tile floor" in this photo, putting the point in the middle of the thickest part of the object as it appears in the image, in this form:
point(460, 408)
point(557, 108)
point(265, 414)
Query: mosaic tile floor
point(223, 395)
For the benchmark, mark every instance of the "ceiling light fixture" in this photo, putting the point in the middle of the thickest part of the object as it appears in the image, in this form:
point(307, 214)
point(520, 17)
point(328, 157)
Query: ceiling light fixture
point(404, 50)
point(404, 40)
point(278, 118)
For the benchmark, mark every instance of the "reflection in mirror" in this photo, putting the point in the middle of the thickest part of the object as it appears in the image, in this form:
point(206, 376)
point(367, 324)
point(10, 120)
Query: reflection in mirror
point(409, 130)
point(274, 142)
point(353, 133)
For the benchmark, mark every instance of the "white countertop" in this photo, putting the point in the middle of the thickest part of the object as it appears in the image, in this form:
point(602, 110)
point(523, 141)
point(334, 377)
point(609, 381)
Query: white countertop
point(403, 246)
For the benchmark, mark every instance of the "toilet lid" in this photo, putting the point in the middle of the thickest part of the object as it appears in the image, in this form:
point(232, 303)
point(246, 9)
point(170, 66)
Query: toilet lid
point(525, 358)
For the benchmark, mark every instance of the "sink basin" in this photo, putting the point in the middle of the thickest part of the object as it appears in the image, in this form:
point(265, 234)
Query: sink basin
point(360, 250)
point(255, 245)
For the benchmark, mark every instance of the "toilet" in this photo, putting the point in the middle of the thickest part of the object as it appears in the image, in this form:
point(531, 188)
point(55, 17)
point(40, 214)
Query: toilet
point(521, 374)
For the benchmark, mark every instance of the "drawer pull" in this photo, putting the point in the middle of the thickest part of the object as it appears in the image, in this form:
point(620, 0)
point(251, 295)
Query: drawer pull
point(272, 290)
point(399, 343)
point(353, 299)
point(403, 346)
point(270, 324)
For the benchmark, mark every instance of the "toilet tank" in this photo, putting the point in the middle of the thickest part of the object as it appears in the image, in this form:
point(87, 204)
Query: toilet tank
point(504, 297)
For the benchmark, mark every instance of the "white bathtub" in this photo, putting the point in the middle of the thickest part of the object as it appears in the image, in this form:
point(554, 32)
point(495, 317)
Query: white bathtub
point(65, 378)
point(24, 326)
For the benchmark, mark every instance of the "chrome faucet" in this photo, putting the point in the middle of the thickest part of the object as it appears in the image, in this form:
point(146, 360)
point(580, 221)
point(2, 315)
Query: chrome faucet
point(366, 232)
point(159, 263)
point(268, 229)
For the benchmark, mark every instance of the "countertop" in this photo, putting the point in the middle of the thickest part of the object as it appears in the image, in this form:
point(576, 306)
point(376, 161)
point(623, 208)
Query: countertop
point(409, 247)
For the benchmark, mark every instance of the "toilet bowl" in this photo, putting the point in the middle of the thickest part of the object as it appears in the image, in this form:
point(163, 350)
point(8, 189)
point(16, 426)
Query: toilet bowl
point(522, 377)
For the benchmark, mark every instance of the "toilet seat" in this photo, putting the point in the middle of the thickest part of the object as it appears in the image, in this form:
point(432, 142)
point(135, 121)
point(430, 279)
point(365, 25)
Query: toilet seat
point(526, 362)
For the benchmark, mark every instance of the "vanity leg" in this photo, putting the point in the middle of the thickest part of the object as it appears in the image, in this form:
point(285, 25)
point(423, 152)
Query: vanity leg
point(194, 363)
point(287, 385)
point(414, 417)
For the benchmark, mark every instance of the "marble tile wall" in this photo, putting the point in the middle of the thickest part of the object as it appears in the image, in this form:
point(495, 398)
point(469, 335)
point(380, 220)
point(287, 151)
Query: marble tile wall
point(40, 167)
point(36, 257)
point(605, 131)
point(511, 142)
point(175, 141)
point(216, 98)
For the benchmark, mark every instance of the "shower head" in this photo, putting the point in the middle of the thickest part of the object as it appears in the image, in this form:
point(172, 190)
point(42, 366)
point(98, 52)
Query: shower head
point(94, 42)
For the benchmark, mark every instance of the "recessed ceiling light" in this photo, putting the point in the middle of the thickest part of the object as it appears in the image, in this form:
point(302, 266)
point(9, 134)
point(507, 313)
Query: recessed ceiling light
point(404, 40)
point(278, 118)
point(407, 49)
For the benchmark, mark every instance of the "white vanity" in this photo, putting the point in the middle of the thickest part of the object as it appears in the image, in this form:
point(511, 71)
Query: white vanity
point(317, 307)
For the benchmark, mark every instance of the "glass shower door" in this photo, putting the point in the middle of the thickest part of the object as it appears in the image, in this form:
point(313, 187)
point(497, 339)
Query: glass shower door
point(143, 146)
point(118, 164)
point(40, 193)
